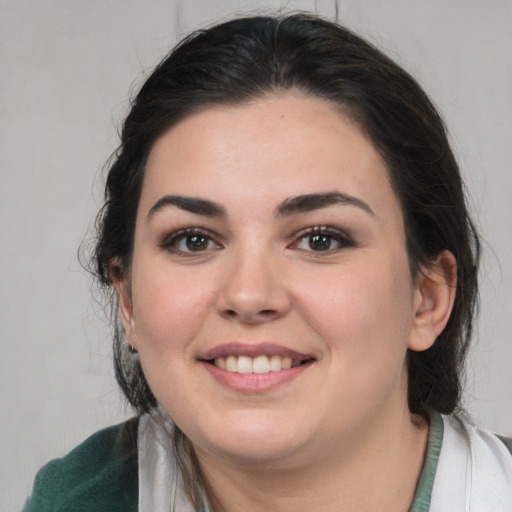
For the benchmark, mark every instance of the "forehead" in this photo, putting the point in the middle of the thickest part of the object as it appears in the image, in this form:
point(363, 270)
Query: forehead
point(272, 147)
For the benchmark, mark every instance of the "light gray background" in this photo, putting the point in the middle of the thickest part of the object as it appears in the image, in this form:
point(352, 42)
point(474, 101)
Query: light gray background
point(66, 70)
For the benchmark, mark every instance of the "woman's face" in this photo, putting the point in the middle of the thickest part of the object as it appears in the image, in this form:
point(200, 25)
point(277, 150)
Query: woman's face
point(268, 235)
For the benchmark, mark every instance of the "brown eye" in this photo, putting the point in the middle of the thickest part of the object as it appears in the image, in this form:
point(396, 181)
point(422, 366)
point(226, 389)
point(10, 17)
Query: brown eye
point(186, 242)
point(196, 242)
point(322, 239)
point(320, 242)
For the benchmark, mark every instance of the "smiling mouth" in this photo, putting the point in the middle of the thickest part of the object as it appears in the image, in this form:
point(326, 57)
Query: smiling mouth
point(260, 364)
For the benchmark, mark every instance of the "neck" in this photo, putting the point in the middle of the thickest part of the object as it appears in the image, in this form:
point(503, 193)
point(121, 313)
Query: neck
point(377, 469)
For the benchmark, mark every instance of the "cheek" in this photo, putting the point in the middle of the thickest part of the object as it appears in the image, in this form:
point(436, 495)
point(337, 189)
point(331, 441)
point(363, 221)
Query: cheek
point(360, 310)
point(169, 309)
point(168, 314)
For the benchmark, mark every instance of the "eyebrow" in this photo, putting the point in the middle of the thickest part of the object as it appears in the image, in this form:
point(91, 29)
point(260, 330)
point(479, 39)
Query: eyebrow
point(309, 202)
point(189, 204)
point(290, 206)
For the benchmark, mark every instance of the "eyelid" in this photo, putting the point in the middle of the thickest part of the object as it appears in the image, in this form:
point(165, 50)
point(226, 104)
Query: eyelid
point(338, 234)
point(167, 241)
point(325, 229)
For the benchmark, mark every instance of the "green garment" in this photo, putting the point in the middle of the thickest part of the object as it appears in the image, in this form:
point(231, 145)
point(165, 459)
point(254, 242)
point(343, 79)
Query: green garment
point(101, 474)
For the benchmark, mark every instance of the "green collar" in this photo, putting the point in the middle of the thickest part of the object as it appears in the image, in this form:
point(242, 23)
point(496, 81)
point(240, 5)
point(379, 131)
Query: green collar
point(423, 492)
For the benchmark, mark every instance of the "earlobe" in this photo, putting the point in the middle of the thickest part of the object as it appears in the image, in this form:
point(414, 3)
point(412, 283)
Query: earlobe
point(434, 298)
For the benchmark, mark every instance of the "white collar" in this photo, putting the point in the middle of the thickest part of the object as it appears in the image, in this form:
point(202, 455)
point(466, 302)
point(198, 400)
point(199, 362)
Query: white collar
point(161, 486)
point(474, 471)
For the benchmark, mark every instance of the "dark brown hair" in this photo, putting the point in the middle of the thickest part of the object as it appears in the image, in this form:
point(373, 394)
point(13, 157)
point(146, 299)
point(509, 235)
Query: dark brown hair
point(249, 57)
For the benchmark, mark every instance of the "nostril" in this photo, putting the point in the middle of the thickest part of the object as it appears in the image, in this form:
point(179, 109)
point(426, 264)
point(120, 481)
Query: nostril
point(264, 313)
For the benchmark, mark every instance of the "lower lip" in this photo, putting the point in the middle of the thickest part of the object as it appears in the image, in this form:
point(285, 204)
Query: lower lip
point(255, 382)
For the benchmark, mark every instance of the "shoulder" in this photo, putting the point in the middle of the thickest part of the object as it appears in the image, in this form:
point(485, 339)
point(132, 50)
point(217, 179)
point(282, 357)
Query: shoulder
point(100, 474)
point(507, 441)
point(484, 477)
point(496, 446)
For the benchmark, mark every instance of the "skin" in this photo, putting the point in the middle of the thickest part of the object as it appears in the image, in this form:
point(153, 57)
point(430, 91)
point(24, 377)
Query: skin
point(338, 436)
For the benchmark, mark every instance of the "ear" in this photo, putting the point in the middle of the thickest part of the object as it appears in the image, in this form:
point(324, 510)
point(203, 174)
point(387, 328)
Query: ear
point(123, 292)
point(434, 297)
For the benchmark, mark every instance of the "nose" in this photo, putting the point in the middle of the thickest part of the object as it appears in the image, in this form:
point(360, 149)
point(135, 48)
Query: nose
point(254, 289)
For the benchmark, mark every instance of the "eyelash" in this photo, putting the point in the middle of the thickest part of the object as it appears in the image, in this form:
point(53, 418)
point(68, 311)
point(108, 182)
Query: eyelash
point(329, 233)
point(170, 242)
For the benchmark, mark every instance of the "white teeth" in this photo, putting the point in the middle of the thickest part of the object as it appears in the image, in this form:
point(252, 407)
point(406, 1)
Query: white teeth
point(260, 364)
point(244, 364)
point(231, 364)
point(275, 363)
point(287, 363)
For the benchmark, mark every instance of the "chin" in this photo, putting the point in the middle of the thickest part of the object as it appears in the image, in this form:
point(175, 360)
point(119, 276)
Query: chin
point(257, 452)
point(260, 446)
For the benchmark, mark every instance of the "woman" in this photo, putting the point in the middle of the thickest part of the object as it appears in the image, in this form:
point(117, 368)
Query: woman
point(295, 272)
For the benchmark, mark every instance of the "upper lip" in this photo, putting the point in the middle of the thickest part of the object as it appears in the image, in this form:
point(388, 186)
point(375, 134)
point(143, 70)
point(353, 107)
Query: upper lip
point(252, 350)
